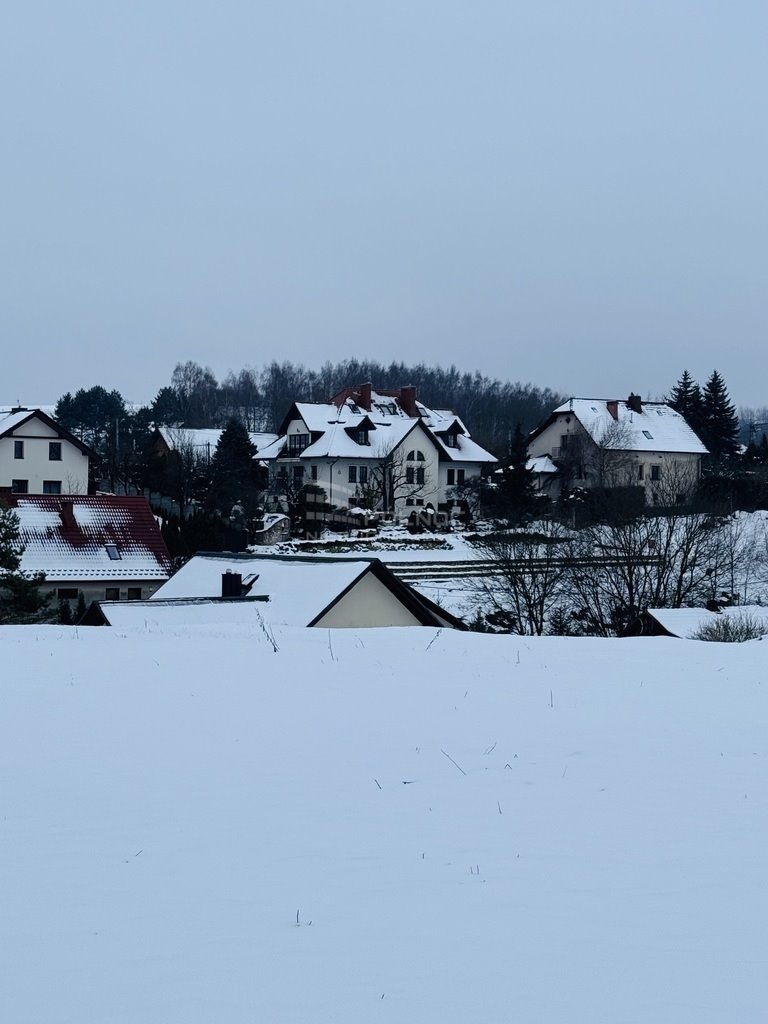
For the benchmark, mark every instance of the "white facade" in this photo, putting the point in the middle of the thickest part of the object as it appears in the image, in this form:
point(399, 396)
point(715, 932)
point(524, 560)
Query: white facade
point(598, 443)
point(375, 454)
point(38, 457)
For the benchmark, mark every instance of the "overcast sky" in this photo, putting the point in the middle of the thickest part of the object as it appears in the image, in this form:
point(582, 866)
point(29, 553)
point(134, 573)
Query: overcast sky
point(568, 193)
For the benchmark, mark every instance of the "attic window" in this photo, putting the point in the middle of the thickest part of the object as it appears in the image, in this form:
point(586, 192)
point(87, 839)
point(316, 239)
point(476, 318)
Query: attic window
point(450, 441)
point(648, 434)
point(113, 553)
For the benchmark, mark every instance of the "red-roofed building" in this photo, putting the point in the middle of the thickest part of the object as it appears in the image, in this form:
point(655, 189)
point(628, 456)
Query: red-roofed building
point(107, 547)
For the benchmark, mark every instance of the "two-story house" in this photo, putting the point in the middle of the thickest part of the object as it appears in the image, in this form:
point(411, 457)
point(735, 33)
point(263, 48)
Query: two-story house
point(380, 449)
point(610, 443)
point(38, 456)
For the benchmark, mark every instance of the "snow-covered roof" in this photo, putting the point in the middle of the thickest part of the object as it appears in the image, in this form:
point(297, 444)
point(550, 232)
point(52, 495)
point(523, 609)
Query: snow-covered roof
point(541, 464)
point(685, 622)
point(154, 616)
point(298, 590)
point(207, 439)
point(657, 428)
point(91, 537)
point(390, 425)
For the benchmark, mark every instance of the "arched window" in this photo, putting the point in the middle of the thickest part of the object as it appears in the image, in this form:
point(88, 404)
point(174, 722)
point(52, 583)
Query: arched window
point(415, 456)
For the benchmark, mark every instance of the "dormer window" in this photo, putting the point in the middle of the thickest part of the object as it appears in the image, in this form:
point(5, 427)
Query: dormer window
point(450, 441)
point(297, 443)
point(361, 436)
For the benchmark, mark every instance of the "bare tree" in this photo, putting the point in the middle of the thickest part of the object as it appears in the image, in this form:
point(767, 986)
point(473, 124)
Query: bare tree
point(528, 578)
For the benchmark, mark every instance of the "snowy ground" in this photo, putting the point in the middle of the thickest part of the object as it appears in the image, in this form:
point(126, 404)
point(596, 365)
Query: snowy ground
point(394, 826)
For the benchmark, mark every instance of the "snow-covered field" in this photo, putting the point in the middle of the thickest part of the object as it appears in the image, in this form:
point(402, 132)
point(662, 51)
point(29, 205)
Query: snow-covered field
point(385, 825)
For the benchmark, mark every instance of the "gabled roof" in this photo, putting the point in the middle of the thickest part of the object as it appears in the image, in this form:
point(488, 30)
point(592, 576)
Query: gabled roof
point(91, 537)
point(150, 616)
point(656, 428)
point(9, 422)
point(301, 589)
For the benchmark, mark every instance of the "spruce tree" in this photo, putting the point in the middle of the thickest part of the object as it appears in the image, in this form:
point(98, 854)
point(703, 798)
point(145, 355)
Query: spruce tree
point(721, 424)
point(234, 473)
point(20, 598)
point(686, 398)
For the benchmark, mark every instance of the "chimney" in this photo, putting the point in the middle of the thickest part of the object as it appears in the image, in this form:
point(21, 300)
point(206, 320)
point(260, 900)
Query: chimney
point(634, 403)
point(408, 401)
point(67, 513)
point(613, 408)
point(231, 584)
point(364, 396)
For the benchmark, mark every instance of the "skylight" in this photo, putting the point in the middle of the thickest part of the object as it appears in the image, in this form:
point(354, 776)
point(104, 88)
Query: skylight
point(113, 553)
point(648, 434)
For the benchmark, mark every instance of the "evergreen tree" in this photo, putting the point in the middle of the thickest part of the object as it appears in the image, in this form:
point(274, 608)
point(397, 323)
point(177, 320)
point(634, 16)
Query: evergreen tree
point(686, 398)
point(720, 421)
point(517, 479)
point(234, 472)
point(20, 599)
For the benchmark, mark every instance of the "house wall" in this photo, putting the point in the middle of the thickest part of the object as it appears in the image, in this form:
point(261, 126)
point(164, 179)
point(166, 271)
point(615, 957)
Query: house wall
point(678, 472)
point(471, 471)
point(96, 590)
point(368, 604)
point(36, 467)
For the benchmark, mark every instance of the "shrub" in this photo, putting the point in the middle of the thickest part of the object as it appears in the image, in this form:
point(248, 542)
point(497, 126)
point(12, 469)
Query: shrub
point(732, 629)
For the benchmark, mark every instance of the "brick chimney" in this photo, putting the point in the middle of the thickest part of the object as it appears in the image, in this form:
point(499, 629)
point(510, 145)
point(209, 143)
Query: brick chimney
point(613, 408)
point(231, 584)
point(408, 401)
point(364, 396)
point(634, 403)
point(67, 513)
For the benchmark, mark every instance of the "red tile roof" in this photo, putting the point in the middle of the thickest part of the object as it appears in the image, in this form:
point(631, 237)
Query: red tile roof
point(66, 537)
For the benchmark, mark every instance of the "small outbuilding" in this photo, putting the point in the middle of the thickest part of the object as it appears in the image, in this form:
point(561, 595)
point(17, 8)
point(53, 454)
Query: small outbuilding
point(308, 591)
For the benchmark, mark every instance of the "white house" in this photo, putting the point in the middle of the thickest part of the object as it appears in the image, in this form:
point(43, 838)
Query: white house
point(381, 449)
point(296, 591)
point(38, 456)
point(610, 443)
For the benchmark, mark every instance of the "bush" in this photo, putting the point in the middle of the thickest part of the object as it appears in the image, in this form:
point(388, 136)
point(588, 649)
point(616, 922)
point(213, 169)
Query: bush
point(732, 629)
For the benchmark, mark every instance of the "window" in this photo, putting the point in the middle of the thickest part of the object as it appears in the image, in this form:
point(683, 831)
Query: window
point(459, 476)
point(51, 486)
point(450, 441)
point(411, 457)
point(363, 475)
point(361, 436)
point(113, 553)
point(18, 449)
point(451, 477)
point(19, 486)
point(420, 475)
point(297, 443)
point(640, 472)
point(112, 594)
point(67, 593)
point(409, 501)
point(655, 472)
point(564, 443)
point(313, 472)
point(648, 434)
point(419, 501)
point(134, 593)
point(54, 451)
point(420, 457)
point(353, 474)
point(410, 474)
point(298, 476)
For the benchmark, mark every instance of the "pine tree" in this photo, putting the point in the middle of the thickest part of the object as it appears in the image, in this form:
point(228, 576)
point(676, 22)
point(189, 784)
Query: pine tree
point(686, 398)
point(720, 422)
point(19, 591)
